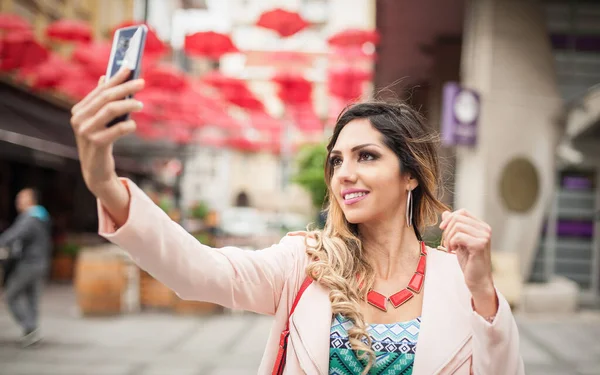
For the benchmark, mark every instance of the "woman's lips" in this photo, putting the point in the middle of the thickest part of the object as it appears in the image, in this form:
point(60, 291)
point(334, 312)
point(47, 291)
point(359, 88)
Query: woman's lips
point(354, 200)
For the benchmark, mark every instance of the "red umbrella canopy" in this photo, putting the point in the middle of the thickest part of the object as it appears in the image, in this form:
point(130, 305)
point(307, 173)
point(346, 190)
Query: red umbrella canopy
point(244, 143)
point(354, 54)
point(283, 22)
point(234, 90)
point(48, 73)
point(147, 129)
point(20, 50)
point(353, 37)
point(305, 118)
point(154, 47)
point(293, 88)
point(94, 57)
point(69, 30)
point(77, 83)
point(13, 22)
point(209, 44)
point(264, 122)
point(347, 83)
point(166, 76)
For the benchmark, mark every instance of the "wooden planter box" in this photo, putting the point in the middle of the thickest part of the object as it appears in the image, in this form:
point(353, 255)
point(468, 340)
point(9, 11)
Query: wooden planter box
point(195, 307)
point(156, 295)
point(153, 293)
point(63, 267)
point(100, 281)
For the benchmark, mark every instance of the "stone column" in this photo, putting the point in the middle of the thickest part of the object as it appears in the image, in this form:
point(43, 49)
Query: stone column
point(507, 58)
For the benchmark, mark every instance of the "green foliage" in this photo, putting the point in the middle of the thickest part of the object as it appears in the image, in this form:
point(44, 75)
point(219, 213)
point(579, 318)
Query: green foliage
point(310, 166)
point(203, 238)
point(165, 204)
point(69, 249)
point(199, 210)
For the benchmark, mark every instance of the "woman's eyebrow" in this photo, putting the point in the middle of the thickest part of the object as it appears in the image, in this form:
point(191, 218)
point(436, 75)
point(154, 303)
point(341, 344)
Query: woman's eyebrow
point(355, 148)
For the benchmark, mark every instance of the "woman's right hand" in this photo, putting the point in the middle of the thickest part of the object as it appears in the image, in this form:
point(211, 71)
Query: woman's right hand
point(95, 141)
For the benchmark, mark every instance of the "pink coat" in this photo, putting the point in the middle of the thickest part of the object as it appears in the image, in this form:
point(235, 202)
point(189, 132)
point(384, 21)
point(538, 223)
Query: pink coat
point(453, 338)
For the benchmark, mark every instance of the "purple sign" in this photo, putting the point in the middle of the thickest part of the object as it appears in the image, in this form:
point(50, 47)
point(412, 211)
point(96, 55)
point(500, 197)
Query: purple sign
point(576, 183)
point(460, 115)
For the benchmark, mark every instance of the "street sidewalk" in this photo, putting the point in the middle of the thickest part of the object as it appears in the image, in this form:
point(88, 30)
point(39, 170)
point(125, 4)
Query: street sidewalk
point(152, 343)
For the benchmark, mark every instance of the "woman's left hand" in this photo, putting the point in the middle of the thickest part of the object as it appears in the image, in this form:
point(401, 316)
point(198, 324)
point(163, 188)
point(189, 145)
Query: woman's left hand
point(470, 238)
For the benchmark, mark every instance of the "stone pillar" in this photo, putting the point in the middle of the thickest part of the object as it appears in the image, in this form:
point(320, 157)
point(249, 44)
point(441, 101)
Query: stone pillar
point(507, 58)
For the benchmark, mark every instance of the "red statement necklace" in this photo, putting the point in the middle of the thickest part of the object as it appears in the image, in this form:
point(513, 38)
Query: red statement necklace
point(414, 286)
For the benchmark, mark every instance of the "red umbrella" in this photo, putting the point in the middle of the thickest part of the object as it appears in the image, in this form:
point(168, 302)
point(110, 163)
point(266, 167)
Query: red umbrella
point(305, 118)
point(353, 37)
point(293, 88)
point(214, 110)
point(264, 122)
point(283, 22)
point(154, 46)
point(70, 31)
point(166, 76)
point(77, 83)
point(94, 57)
point(347, 83)
point(47, 74)
point(351, 53)
point(219, 80)
point(234, 90)
point(209, 44)
point(144, 118)
point(13, 22)
point(243, 143)
point(150, 131)
point(20, 50)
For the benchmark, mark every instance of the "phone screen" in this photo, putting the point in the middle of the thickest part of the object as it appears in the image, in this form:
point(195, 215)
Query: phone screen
point(127, 49)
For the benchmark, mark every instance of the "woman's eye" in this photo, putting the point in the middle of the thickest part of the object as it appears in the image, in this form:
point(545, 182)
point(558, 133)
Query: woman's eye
point(335, 161)
point(366, 156)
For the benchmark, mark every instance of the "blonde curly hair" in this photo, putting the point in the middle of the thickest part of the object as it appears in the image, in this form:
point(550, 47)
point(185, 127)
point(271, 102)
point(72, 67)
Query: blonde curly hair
point(338, 260)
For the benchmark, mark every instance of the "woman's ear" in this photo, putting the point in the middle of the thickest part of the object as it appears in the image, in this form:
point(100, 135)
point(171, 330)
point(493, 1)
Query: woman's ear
point(411, 181)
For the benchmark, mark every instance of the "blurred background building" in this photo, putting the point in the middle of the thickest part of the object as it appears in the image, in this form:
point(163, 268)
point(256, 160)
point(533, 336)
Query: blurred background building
point(511, 86)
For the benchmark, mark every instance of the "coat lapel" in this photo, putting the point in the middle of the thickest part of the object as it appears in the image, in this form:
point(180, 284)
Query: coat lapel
point(310, 327)
point(445, 326)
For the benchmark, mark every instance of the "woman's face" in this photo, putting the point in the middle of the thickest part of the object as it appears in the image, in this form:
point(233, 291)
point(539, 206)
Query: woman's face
point(366, 180)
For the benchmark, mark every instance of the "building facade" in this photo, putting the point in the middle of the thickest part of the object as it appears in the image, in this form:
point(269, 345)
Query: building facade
point(532, 173)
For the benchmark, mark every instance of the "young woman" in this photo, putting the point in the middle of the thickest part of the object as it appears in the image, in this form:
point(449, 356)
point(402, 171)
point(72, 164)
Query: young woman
point(374, 297)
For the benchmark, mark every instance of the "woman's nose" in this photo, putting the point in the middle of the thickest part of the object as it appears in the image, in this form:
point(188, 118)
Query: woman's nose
point(346, 172)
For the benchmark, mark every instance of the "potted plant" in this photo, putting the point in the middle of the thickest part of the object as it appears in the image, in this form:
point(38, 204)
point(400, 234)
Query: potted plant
point(63, 263)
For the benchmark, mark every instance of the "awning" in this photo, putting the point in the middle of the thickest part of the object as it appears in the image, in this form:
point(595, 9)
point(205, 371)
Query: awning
point(33, 125)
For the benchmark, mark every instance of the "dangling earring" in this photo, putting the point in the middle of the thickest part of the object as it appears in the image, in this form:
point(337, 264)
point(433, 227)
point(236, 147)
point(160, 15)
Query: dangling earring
point(409, 208)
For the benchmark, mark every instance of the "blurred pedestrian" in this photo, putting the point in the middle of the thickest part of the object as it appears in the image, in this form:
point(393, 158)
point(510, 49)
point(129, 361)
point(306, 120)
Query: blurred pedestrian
point(348, 298)
point(28, 242)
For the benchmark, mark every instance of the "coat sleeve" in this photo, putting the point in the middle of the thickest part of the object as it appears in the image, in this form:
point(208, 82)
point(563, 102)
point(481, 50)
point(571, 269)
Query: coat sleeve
point(496, 345)
point(229, 276)
point(19, 230)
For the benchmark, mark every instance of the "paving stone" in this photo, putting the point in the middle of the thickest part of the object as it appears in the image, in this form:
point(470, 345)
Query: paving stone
point(151, 343)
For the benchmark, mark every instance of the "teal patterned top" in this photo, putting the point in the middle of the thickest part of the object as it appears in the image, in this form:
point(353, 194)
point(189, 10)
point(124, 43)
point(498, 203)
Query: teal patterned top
point(394, 345)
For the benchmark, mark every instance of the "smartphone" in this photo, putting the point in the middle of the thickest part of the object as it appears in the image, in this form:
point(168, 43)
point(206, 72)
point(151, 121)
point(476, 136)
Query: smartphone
point(127, 49)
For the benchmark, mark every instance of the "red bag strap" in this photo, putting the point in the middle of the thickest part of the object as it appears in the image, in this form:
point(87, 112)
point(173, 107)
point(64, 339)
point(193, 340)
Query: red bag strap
point(280, 359)
point(303, 287)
